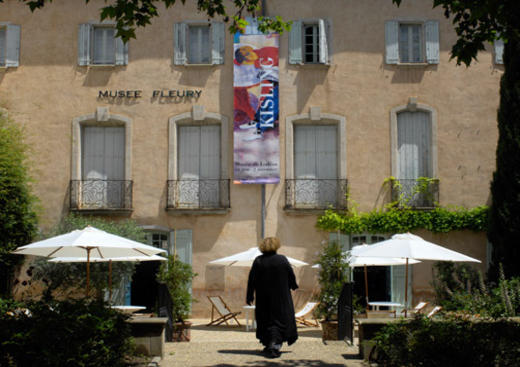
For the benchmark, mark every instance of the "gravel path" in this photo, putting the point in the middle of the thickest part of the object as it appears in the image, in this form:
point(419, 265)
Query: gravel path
point(228, 346)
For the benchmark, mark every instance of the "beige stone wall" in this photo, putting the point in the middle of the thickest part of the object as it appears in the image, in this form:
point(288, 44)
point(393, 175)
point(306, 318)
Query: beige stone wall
point(49, 90)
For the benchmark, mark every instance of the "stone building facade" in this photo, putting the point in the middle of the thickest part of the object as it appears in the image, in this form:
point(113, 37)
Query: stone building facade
point(375, 81)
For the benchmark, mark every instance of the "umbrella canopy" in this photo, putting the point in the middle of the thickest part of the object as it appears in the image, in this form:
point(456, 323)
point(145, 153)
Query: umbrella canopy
point(246, 258)
point(98, 243)
point(91, 243)
point(408, 246)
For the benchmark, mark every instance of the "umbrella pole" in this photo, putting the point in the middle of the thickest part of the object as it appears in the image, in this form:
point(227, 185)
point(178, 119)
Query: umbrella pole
point(406, 288)
point(110, 281)
point(88, 269)
point(366, 286)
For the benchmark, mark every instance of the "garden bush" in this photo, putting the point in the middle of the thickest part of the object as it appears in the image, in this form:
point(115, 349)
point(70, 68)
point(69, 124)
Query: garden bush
point(453, 341)
point(66, 333)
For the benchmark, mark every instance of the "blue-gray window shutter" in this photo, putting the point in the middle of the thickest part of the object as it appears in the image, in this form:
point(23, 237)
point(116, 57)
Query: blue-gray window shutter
point(252, 27)
point(183, 245)
point(392, 42)
point(12, 49)
point(295, 43)
point(218, 34)
point(121, 52)
point(84, 44)
point(499, 51)
point(179, 30)
point(431, 32)
point(324, 48)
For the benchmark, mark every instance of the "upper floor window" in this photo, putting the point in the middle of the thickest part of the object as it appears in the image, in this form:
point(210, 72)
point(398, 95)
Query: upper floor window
point(199, 43)
point(101, 163)
point(414, 157)
point(9, 45)
point(499, 51)
point(412, 42)
point(309, 42)
point(98, 45)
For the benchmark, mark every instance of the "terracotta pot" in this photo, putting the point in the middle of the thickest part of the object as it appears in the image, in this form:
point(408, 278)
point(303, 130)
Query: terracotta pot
point(182, 331)
point(329, 330)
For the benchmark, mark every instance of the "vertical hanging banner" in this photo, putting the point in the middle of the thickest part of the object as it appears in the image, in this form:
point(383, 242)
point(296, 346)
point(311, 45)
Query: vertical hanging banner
point(255, 122)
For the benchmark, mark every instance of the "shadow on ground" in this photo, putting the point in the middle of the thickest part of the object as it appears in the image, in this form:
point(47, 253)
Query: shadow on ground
point(286, 362)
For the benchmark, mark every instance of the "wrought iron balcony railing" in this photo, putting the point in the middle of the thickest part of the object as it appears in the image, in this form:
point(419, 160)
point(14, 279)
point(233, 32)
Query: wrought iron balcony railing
point(198, 194)
point(315, 193)
point(420, 193)
point(100, 195)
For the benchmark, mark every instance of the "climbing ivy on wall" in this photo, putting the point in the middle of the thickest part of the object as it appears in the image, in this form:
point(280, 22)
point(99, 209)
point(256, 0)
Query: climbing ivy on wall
point(398, 220)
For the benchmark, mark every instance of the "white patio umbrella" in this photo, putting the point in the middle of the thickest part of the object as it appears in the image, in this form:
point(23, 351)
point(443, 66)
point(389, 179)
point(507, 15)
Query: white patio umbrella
point(358, 261)
point(364, 261)
point(90, 241)
point(246, 259)
point(408, 246)
point(109, 260)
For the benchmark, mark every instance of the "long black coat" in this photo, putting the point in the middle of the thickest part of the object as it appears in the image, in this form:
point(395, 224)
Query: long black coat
point(272, 278)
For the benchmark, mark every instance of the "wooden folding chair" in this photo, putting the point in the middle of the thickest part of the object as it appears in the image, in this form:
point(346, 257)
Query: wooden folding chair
point(306, 310)
point(218, 304)
point(434, 311)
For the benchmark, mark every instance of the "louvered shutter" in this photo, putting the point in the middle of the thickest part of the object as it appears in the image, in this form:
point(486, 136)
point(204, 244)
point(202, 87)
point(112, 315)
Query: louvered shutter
point(499, 51)
point(431, 31)
point(218, 35)
point(392, 42)
point(295, 43)
point(84, 44)
point(179, 31)
point(12, 49)
point(183, 245)
point(121, 52)
point(324, 48)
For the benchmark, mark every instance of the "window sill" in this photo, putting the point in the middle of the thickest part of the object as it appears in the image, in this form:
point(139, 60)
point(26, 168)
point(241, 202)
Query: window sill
point(199, 65)
point(121, 212)
point(304, 211)
point(102, 66)
point(412, 64)
point(312, 66)
point(196, 211)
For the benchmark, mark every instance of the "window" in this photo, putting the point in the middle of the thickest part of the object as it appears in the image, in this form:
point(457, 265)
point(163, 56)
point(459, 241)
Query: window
point(309, 42)
point(9, 45)
point(499, 51)
point(414, 157)
point(316, 161)
point(412, 42)
point(197, 174)
point(103, 158)
point(101, 163)
point(199, 166)
point(199, 43)
point(98, 45)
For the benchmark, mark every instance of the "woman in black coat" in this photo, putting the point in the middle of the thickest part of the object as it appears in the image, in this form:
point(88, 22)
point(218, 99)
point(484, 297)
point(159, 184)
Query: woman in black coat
point(271, 278)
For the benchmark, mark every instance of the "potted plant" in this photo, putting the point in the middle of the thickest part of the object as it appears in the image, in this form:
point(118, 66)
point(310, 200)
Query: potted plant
point(177, 277)
point(332, 276)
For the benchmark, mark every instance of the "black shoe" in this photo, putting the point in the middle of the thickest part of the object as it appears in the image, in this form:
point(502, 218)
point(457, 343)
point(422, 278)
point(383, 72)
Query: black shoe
point(272, 353)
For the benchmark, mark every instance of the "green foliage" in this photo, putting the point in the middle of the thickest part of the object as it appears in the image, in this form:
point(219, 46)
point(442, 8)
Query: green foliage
point(460, 288)
point(130, 15)
point(18, 222)
point(177, 276)
point(399, 220)
point(68, 333)
point(64, 275)
point(332, 276)
point(504, 218)
point(451, 342)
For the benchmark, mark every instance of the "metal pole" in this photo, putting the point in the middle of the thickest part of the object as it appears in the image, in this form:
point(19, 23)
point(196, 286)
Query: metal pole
point(88, 269)
point(262, 226)
point(406, 288)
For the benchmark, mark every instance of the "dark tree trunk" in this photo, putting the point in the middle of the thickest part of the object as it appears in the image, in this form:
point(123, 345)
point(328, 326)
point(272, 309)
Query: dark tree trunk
point(504, 221)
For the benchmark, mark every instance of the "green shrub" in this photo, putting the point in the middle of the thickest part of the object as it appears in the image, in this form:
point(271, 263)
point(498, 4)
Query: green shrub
point(332, 276)
point(450, 342)
point(67, 333)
